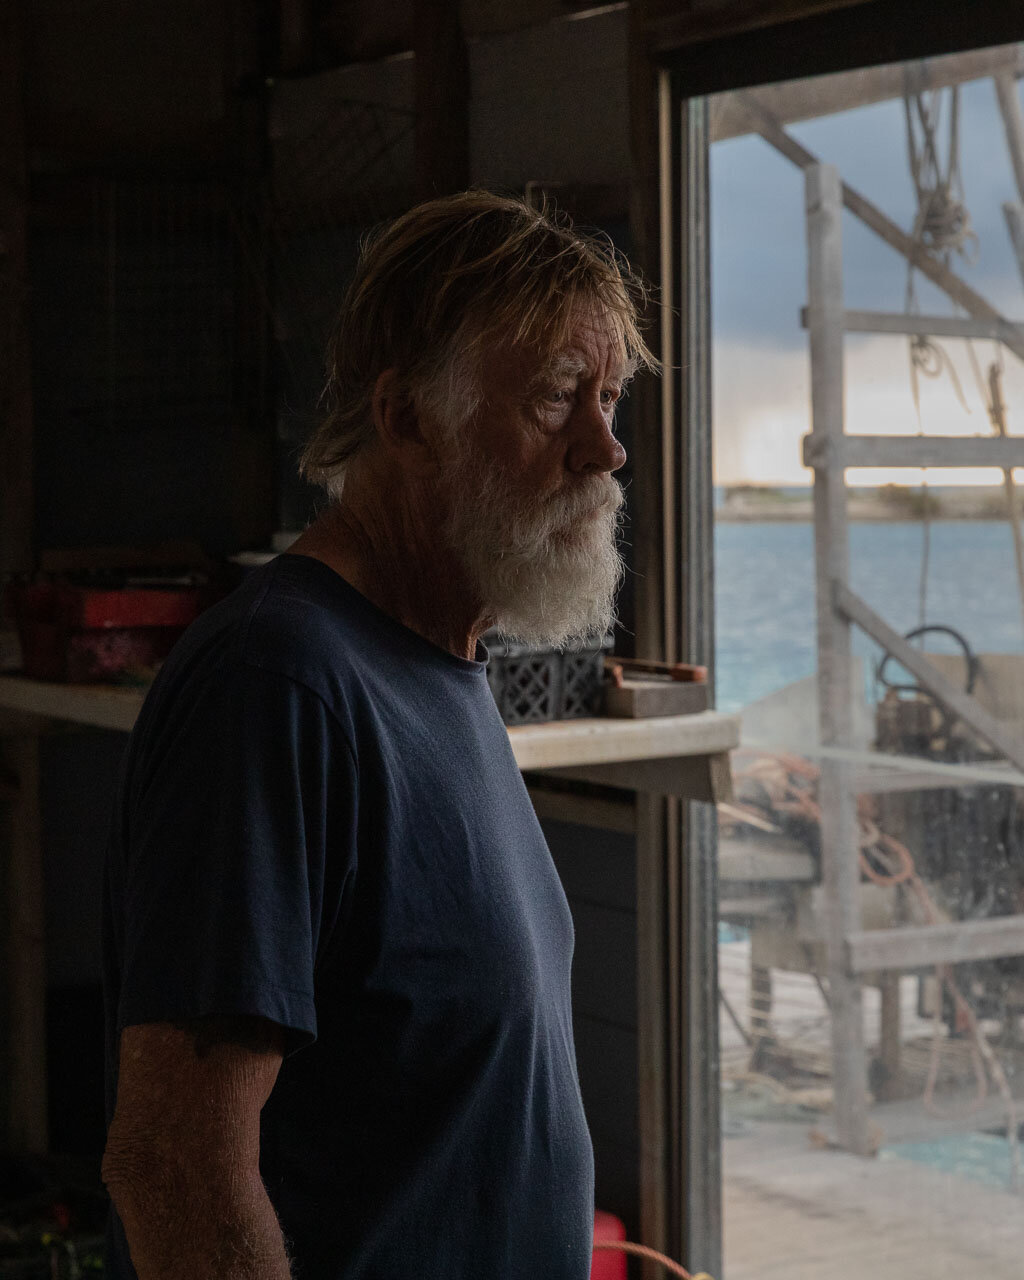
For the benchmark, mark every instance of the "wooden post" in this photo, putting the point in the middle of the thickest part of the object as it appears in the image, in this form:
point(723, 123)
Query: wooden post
point(997, 412)
point(680, 1182)
point(649, 108)
point(695, 1209)
point(657, 819)
point(23, 1125)
point(890, 1038)
point(760, 1013)
point(442, 100)
point(16, 508)
point(249, 480)
point(840, 868)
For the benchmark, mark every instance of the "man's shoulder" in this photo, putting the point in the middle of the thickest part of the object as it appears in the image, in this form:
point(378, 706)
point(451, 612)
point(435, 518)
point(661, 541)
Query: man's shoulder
point(296, 618)
point(281, 622)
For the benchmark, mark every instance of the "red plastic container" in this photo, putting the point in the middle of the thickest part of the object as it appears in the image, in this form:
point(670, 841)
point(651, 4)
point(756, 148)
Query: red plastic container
point(89, 634)
point(608, 1264)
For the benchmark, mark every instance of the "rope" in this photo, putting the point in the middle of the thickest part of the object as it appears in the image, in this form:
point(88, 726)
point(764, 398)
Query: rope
point(943, 225)
point(642, 1251)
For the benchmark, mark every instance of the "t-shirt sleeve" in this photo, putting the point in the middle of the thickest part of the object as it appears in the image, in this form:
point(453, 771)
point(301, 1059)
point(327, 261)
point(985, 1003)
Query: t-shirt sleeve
point(240, 794)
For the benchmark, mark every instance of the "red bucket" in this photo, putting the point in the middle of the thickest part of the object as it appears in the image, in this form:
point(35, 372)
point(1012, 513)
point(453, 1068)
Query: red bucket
point(608, 1264)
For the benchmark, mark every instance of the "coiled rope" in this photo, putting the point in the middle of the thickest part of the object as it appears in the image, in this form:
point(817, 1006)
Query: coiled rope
point(943, 223)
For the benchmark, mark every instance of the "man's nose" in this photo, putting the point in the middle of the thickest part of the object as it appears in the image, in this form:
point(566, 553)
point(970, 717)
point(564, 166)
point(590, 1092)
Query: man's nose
point(594, 446)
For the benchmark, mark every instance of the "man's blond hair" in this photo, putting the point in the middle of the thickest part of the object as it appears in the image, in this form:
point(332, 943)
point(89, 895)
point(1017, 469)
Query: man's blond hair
point(436, 285)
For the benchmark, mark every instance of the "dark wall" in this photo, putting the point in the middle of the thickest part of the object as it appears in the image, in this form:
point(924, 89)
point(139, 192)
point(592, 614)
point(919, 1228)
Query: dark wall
point(140, 151)
point(78, 773)
point(118, 84)
point(598, 870)
point(133, 350)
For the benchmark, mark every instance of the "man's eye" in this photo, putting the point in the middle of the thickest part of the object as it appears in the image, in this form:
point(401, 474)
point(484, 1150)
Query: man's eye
point(558, 395)
point(609, 395)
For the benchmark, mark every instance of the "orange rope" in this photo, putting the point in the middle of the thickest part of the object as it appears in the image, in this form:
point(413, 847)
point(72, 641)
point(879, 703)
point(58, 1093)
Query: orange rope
point(642, 1251)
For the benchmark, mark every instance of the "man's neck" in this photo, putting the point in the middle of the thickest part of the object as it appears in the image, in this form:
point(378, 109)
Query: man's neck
point(392, 551)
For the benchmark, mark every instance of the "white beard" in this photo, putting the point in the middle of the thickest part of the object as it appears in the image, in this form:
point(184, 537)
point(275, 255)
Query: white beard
point(546, 571)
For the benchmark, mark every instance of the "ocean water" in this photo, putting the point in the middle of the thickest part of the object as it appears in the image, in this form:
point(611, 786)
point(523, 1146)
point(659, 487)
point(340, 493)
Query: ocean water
point(764, 596)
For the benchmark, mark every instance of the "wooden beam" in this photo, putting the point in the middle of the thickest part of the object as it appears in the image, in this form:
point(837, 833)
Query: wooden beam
point(926, 326)
point(674, 25)
point(883, 226)
point(840, 873)
point(701, 778)
point(442, 99)
point(648, 130)
point(1013, 123)
point(914, 451)
point(755, 861)
point(815, 96)
point(583, 810)
point(996, 733)
point(16, 444)
point(920, 946)
point(1014, 215)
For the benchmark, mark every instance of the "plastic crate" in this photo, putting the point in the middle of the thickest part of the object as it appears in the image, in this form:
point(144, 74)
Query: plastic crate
point(532, 685)
point(88, 634)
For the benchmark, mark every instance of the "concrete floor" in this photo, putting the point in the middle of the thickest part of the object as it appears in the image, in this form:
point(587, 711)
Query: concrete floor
point(793, 1212)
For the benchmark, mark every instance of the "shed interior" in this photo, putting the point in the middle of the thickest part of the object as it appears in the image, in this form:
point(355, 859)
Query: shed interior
point(183, 187)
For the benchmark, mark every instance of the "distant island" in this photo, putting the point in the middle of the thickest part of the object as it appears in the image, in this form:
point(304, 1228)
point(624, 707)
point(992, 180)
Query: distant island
point(753, 502)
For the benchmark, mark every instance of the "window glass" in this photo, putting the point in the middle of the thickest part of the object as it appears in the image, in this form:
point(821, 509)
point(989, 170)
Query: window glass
point(872, 873)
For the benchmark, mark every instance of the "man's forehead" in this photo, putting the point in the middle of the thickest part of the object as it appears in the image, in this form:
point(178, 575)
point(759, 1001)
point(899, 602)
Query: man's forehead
point(607, 359)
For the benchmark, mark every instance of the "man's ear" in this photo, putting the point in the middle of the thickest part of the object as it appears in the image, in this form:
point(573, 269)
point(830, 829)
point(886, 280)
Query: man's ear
point(398, 422)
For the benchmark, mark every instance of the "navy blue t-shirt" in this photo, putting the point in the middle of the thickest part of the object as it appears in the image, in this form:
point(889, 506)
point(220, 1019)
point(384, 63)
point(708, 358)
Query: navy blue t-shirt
point(321, 822)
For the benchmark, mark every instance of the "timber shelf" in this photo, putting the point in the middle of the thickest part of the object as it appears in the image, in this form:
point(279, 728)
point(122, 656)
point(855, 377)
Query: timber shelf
point(640, 754)
point(99, 706)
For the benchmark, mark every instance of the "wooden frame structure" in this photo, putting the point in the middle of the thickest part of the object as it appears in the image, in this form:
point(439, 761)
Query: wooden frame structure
point(852, 952)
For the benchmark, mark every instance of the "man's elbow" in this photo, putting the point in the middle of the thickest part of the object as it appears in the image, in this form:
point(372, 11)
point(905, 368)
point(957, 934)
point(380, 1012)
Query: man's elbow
point(128, 1170)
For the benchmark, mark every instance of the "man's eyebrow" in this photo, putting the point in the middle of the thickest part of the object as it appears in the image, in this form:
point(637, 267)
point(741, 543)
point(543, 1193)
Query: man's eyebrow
point(563, 365)
point(568, 365)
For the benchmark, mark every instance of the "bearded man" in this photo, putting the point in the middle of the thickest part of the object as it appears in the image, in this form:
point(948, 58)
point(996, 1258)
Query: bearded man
point(337, 953)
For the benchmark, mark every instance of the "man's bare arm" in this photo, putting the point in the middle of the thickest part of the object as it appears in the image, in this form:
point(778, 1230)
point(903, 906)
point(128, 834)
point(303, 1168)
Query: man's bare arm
point(182, 1156)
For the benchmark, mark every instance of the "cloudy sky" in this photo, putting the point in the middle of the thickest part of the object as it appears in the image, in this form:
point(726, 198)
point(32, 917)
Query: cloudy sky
point(759, 281)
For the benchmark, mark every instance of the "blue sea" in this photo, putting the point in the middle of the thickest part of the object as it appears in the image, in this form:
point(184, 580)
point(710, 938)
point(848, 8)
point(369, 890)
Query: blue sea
point(764, 595)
